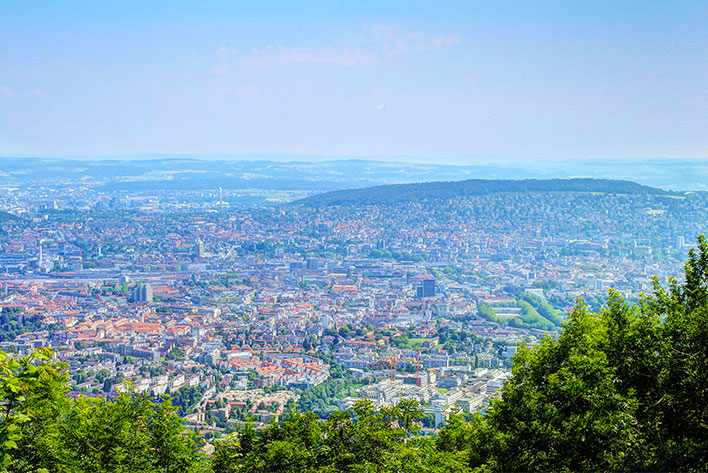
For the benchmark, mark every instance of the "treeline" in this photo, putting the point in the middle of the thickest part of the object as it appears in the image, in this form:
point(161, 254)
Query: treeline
point(395, 193)
point(12, 325)
point(363, 439)
point(396, 255)
point(323, 398)
point(43, 430)
point(619, 390)
point(536, 313)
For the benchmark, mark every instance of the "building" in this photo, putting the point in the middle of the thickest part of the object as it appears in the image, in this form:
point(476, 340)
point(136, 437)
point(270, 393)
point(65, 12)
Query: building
point(142, 293)
point(201, 252)
point(426, 288)
point(313, 263)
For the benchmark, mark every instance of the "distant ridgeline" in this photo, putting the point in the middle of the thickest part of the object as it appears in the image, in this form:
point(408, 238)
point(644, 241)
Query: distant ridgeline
point(395, 193)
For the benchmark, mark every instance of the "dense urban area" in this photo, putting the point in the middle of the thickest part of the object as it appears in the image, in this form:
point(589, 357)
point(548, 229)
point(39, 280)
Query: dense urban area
point(241, 312)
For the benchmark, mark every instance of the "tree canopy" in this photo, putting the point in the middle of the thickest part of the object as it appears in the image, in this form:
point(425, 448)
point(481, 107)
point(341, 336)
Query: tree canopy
point(623, 389)
point(420, 191)
point(43, 430)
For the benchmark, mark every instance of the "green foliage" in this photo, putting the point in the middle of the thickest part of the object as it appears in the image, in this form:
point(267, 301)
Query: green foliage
point(619, 390)
point(486, 311)
point(322, 399)
point(175, 353)
point(11, 327)
point(187, 397)
point(563, 410)
point(361, 440)
point(547, 284)
point(42, 430)
point(131, 433)
point(545, 309)
point(395, 255)
point(419, 192)
point(102, 375)
point(33, 393)
point(456, 340)
point(530, 318)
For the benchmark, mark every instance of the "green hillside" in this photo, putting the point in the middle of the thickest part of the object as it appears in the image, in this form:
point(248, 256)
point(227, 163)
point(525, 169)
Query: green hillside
point(472, 187)
point(536, 313)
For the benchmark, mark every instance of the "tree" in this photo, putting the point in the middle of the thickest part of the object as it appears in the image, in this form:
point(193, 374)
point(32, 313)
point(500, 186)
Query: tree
point(33, 396)
point(102, 375)
point(175, 353)
point(131, 433)
point(363, 439)
point(41, 429)
point(682, 409)
point(562, 409)
point(622, 389)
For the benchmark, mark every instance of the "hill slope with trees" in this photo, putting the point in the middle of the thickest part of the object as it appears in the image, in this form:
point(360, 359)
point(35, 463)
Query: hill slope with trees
point(395, 193)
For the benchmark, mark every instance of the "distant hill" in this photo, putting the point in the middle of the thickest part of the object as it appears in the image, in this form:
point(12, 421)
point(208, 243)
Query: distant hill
point(168, 172)
point(472, 187)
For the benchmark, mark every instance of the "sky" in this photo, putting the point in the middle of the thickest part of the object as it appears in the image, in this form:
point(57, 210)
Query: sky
point(442, 81)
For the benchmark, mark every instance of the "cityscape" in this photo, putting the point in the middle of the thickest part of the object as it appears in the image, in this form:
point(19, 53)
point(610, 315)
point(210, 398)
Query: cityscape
point(243, 311)
point(320, 236)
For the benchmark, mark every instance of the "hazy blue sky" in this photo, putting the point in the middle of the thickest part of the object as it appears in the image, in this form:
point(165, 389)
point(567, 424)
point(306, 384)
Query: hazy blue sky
point(457, 81)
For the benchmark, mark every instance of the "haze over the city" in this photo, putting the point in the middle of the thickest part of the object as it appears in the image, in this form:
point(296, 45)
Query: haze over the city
point(438, 81)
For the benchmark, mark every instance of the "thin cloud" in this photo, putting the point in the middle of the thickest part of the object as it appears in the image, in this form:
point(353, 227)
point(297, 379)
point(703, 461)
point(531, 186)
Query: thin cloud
point(224, 53)
point(392, 40)
point(376, 42)
point(220, 70)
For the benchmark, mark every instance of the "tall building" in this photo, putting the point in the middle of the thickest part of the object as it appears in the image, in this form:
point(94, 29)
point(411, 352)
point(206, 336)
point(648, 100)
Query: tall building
point(141, 293)
point(442, 310)
point(201, 252)
point(313, 263)
point(428, 286)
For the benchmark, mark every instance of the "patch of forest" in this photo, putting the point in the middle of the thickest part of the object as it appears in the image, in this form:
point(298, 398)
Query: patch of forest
point(445, 190)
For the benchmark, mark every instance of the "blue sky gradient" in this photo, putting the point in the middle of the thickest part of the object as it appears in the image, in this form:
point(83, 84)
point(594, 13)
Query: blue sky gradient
point(441, 81)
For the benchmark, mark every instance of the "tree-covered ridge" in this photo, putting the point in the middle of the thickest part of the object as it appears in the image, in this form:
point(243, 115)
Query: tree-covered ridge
point(620, 390)
point(458, 189)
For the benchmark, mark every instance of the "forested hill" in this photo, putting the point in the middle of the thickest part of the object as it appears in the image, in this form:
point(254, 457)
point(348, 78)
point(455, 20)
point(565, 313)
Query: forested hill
point(472, 187)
